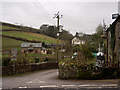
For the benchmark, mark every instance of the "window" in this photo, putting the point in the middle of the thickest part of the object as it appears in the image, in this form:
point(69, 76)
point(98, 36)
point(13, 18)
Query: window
point(36, 51)
point(30, 50)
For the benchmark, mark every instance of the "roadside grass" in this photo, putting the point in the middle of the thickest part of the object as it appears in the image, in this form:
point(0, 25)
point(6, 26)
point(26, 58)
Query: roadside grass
point(30, 36)
point(4, 27)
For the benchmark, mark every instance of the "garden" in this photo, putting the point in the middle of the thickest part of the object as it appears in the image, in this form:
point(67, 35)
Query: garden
point(82, 66)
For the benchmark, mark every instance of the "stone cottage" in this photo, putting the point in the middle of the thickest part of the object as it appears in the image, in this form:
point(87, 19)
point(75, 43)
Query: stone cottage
point(112, 37)
point(31, 48)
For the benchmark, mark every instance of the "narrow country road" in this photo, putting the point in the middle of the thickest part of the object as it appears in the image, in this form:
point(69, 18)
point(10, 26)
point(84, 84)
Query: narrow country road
point(49, 79)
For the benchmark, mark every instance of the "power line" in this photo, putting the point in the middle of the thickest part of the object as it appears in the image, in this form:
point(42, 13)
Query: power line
point(34, 3)
point(42, 11)
point(45, 11)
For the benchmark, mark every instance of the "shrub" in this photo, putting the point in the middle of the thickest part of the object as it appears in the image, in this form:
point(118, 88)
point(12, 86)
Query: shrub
point(11, 62)
point(36, 60)
point(5, 61)
point(46, 59)
point(84, 72)
point(31, 61)
point(87, 51)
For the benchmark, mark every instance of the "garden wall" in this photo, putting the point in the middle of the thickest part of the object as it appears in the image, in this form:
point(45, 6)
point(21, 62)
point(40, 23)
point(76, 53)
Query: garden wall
point(8, 70)
point(71, 71)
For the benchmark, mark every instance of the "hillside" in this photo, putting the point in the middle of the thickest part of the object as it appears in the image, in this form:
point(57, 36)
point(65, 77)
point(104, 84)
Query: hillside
point(8, 27)
point(29, 36)
point(13, 36)
point(9, 43)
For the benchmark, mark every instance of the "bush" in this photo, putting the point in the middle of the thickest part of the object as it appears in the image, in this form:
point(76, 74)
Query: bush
point(84, 72)
point(36, 60)
point(31, 61)
point(46, 59)
point(49, 59)
point(5, 61)
point(11, 62)
point(87, 51)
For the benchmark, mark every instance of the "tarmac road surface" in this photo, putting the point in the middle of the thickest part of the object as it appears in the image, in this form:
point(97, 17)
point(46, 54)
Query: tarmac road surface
point(48, 80)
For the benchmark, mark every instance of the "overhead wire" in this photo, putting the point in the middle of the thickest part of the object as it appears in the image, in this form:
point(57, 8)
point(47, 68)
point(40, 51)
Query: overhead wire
point(43, 11)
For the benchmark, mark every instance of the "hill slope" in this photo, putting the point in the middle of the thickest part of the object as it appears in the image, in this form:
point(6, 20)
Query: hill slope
point(25, 32)
point(9, 43)
point(29, 36)
point(13, 36)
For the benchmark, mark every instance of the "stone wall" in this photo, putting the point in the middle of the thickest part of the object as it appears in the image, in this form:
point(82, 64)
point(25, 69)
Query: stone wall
point(117, 47)
point(8, 70)
point(67, 72)
point(87, 72)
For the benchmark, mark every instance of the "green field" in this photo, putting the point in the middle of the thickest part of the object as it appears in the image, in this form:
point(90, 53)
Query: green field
point(8, 27)
point(29, 36)
point(9, 43)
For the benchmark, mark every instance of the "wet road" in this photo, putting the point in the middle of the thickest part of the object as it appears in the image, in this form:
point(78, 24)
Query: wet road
point(44, 80)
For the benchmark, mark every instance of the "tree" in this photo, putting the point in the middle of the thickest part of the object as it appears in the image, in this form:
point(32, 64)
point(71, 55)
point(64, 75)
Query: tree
point(66, 36)
point(99, 29)
point(52, 31)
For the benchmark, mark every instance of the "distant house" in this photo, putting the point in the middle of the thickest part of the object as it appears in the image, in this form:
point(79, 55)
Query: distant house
point(77, 41)
point(35, 48)
point(31, 48)
point(44, 51)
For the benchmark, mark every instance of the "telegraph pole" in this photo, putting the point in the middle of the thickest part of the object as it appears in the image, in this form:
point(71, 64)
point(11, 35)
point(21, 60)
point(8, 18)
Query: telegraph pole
point(58, 16)
point(104, 30)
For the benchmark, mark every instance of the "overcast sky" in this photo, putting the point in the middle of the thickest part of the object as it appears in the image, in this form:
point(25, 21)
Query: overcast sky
point(78, 16)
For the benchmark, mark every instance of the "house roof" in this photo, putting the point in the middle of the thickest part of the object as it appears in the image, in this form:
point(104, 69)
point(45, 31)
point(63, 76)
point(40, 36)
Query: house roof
point(76, 38)
point(32, 44)
point(114, 23)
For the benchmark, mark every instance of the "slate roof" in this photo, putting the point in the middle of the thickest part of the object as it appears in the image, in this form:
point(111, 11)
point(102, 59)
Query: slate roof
point(32, 44)
point(114, 23)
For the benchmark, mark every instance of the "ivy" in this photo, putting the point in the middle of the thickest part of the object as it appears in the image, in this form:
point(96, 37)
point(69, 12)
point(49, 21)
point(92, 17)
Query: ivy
point(113, 40)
